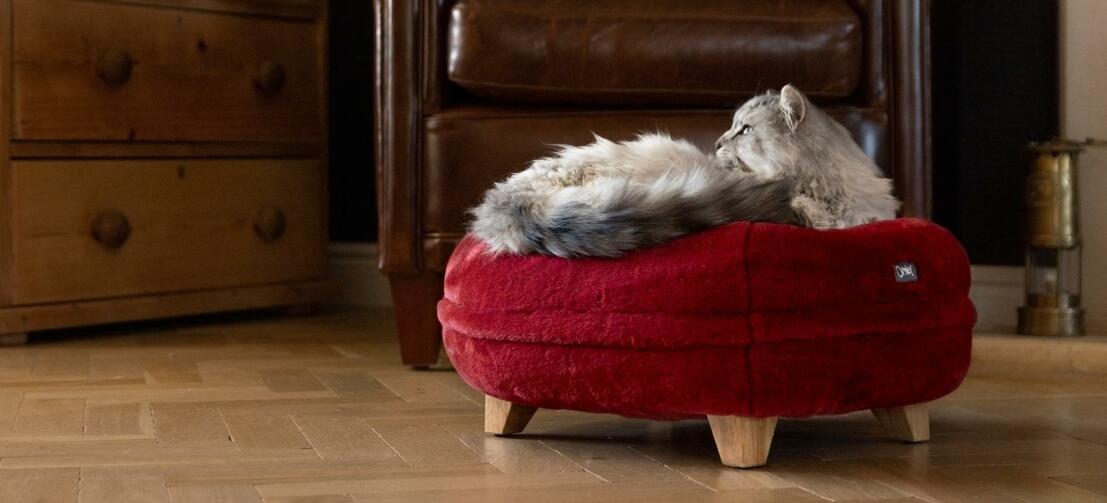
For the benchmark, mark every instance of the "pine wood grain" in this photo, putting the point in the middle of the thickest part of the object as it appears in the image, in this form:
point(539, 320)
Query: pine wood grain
point(50, 417)
point(60, 366)
point(1093, 483)
point(282, 380)
point(215, 494)
point(346, 439)
point(356, 383)
point(910, 423)
point(10, 402)
point(16, 339)
point(5, 170)
point(422, 444)
point(614, 462)
point(116, 487)
point(163, 150)
point(243, 433)
point(743, 442)
point(414, 389)
point(191, 226)
point(192, 76)
point(306, 9)
point(263, 432)
point(190, 424)
point(48, 316)
point(192, 94)
point(513, 456)
point(173, 373)
point(330, 498)
point(504, 418)
point(40, 485)
point(118, 420)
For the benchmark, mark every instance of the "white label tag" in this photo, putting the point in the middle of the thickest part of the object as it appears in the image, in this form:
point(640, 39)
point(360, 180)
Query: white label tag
point(906, 272)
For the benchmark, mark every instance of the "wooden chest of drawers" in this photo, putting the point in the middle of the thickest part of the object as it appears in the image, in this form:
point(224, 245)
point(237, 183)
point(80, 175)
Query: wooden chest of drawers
point(160, 158)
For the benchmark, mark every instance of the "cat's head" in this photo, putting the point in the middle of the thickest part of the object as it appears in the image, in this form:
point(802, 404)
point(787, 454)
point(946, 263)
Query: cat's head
point(763, 137)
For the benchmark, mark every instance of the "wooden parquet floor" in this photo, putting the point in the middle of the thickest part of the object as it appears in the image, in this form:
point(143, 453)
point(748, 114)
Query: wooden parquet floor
point(318, 409)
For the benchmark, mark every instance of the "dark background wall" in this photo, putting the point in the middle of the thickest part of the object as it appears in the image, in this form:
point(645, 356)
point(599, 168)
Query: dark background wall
point(353, 200)
point(995, 88)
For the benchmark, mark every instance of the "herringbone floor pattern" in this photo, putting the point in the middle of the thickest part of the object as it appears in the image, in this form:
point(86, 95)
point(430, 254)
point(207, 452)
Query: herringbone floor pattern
point(318, 409)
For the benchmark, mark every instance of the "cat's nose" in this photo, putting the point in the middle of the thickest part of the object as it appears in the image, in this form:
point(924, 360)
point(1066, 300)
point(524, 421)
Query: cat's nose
point(718, 144)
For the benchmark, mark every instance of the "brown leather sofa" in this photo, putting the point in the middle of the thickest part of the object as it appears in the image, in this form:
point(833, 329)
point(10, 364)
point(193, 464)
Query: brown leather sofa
point(469, 90)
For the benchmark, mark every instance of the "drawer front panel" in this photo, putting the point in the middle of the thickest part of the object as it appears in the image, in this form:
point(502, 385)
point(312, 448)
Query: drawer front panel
point(96, 229)
point(110, 71)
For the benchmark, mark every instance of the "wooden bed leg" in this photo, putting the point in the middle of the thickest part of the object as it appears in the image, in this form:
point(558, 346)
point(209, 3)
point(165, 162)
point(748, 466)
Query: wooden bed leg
point(18, 339)
point(743, 442)
point(910, 423)
point(504, 418)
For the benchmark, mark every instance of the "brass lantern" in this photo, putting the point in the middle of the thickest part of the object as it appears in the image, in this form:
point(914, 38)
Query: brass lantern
point(1052, 242)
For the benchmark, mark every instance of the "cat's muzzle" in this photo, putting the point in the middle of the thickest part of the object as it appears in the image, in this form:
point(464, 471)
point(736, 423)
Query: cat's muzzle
point(731, 161)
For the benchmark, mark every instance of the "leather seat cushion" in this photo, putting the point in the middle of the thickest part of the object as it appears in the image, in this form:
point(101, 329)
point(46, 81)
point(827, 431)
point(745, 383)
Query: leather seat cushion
point(658, 52)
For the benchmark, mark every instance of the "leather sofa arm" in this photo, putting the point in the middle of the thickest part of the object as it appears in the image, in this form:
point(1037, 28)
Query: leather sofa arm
point(398, 133)
point(909, 36)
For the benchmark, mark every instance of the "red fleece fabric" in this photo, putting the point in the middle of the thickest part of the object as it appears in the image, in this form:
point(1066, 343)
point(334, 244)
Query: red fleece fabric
point(744, 319)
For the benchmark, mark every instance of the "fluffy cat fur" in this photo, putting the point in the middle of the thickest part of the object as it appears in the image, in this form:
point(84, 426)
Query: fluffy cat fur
point(783, 160)
point(784, 136)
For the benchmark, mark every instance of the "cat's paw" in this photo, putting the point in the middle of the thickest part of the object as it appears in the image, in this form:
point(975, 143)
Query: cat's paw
point(814, 212)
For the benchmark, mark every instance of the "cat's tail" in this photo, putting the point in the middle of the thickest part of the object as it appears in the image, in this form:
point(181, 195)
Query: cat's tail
point(609, 217)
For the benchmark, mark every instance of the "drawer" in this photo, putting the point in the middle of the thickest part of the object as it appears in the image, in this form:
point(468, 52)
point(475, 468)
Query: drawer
point(111, 71)
point(96, 229)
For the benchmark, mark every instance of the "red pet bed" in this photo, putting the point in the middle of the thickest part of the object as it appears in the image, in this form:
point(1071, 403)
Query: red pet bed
point(741, 323)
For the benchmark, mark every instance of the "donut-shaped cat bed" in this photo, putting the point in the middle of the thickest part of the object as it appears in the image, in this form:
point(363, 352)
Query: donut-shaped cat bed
point(741, 323)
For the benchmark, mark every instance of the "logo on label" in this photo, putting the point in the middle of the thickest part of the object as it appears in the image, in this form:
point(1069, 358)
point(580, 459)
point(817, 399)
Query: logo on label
point(906, 272)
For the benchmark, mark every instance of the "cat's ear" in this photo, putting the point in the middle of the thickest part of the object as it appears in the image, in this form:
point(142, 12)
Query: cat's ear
point(793, 105)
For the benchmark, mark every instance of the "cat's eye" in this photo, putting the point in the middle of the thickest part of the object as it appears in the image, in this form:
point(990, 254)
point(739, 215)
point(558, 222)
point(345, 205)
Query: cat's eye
point(745, 129)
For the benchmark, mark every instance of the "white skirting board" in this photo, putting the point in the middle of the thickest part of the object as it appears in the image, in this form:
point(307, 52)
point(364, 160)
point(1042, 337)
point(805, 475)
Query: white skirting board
point(354, 265)
point(997, 292)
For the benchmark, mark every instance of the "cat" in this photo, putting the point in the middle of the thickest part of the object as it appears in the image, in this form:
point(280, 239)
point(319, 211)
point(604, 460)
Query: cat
point(783, 135)
point(607, 198)
point(783, 160)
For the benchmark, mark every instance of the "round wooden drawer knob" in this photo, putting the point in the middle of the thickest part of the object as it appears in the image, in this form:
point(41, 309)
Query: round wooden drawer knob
point(270, 78)
point(269, 224)
point(114, 66)
point(111, 229)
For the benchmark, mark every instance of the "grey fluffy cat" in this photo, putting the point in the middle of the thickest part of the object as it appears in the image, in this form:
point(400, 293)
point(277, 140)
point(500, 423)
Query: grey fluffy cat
point(783, 160)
